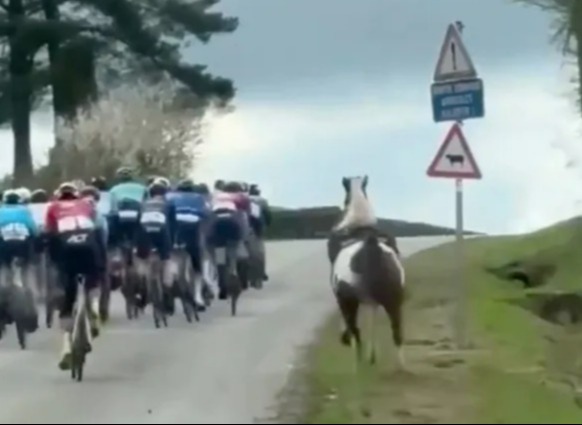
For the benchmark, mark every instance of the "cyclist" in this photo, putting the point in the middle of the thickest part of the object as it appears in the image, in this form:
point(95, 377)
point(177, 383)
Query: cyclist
point(93, 195)
point(75, 249)
point(156, 230)
point(18, 235)
point(260, 219)
point(192, 214)
point(229, 230)
point(126, 200)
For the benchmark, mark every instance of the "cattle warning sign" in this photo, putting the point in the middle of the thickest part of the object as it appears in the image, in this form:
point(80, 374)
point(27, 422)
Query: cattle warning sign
point(454, 158)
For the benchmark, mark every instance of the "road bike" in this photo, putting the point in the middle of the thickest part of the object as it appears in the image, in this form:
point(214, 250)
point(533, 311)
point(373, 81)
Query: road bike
point(81, 336)
point(186, 283)
point(154, 284)
point(20, 302)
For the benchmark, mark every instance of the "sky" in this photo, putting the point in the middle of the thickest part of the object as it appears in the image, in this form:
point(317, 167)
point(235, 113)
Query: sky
point(332, 88)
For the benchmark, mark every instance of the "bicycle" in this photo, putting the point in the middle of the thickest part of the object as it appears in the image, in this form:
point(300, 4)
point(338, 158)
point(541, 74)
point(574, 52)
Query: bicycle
point(186, 283)
point(130, 285)
point(226, 262)
point(21, 304)
point(154, 285)
point(81, 337)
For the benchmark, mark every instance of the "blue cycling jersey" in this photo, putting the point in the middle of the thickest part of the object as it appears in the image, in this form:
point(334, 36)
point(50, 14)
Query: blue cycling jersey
point(132, 191)
point(17, 223)
point(190, 207)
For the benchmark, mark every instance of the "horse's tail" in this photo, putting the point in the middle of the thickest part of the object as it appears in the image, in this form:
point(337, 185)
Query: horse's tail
point(379, 269)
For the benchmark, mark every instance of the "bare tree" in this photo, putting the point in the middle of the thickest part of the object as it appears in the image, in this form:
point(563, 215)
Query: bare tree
point(141, 125)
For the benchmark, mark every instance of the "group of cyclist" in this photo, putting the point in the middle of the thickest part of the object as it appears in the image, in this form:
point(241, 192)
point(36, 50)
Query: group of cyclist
point(82, 224)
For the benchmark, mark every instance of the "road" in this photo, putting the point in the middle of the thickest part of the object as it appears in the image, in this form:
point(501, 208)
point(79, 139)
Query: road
point(222, 370)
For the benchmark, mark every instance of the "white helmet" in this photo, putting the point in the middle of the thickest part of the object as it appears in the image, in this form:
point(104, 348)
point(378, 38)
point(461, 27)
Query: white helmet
point(163, 181)
point(24, 194)
point(9, 193)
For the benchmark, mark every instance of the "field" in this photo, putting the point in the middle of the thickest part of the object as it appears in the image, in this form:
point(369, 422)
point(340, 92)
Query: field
point(524, 322)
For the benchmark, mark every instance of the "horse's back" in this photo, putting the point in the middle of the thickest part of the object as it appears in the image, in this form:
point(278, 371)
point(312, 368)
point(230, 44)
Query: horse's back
point(344, 271)
point(339, 239)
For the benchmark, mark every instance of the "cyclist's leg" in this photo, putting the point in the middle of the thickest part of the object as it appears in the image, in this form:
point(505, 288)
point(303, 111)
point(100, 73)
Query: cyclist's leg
point(5, 261)
point(195, 252)
point(66, 270)
point(163, 243)
point(259, 228)
point(143, 248)
point(96, 269)
point(206, 263)
point(233, 245)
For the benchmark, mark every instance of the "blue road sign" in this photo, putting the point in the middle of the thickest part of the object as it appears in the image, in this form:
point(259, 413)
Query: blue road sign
point(458, 100)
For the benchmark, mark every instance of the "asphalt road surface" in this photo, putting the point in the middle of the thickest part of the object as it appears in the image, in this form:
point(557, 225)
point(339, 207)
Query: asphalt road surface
point(221, 370)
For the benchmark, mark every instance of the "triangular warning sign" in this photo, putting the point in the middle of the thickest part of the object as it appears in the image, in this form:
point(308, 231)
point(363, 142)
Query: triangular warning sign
point(454, 61)
point(454, 158)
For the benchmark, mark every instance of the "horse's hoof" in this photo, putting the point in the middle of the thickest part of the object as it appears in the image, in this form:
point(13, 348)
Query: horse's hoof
point(346, 338)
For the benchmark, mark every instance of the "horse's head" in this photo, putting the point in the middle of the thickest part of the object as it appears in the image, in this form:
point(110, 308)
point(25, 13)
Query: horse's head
point(353, 186)
point(357, 208)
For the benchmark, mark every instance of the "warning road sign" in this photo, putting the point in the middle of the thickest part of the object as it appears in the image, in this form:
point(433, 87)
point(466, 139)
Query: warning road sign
point(454, 61)
point(454, 158)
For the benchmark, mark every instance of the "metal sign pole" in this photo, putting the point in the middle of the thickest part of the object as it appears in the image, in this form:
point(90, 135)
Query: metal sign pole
point(460, 315)
point(460, 310)
point(457, 94)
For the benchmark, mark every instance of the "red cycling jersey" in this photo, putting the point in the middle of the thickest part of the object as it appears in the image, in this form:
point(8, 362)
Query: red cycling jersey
point(69, 216)
point(240, 200)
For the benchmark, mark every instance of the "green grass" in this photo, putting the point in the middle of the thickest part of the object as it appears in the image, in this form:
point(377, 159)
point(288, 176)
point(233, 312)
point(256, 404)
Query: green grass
point(517, 374)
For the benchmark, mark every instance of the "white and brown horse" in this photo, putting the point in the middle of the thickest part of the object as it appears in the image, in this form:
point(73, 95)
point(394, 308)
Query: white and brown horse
point(366, 270)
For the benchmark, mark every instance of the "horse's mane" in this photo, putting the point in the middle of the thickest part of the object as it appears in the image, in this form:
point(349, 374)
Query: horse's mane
point(359, 212)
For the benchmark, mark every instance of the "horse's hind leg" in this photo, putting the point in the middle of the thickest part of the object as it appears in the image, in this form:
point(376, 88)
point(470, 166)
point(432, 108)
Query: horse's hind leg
point(349, 307)
point(373, 353)
point(394, 311)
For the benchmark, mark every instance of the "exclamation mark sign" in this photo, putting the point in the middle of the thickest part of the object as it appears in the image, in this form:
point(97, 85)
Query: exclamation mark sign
point(454, 53)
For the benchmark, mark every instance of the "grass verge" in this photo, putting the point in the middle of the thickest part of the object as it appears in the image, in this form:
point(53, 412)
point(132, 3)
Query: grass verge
point(523, 369)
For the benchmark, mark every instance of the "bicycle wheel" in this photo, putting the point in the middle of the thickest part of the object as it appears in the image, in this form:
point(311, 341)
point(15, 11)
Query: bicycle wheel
point(155, 291)
point(186, 288)
point(235, 289)
point(104, 299)
point(80, 337)
point(21, 334)
point(155, 300)
point(78, 357)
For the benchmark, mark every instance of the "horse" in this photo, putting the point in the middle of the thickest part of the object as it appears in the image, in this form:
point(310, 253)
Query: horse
point(366, 270)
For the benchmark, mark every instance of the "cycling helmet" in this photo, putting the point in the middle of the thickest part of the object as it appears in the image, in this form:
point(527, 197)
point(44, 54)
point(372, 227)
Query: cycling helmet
point(163, 181)
point(233, 187)
point(11, 197)
point(99, 183)
point(157, 189)
point(202, 189)
point(186, 185)
point(24, 194)
point(67, 190)
point(124, 174)
point(219, 184)
point(254, 190)
point(91, 192)
point(39, 196)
